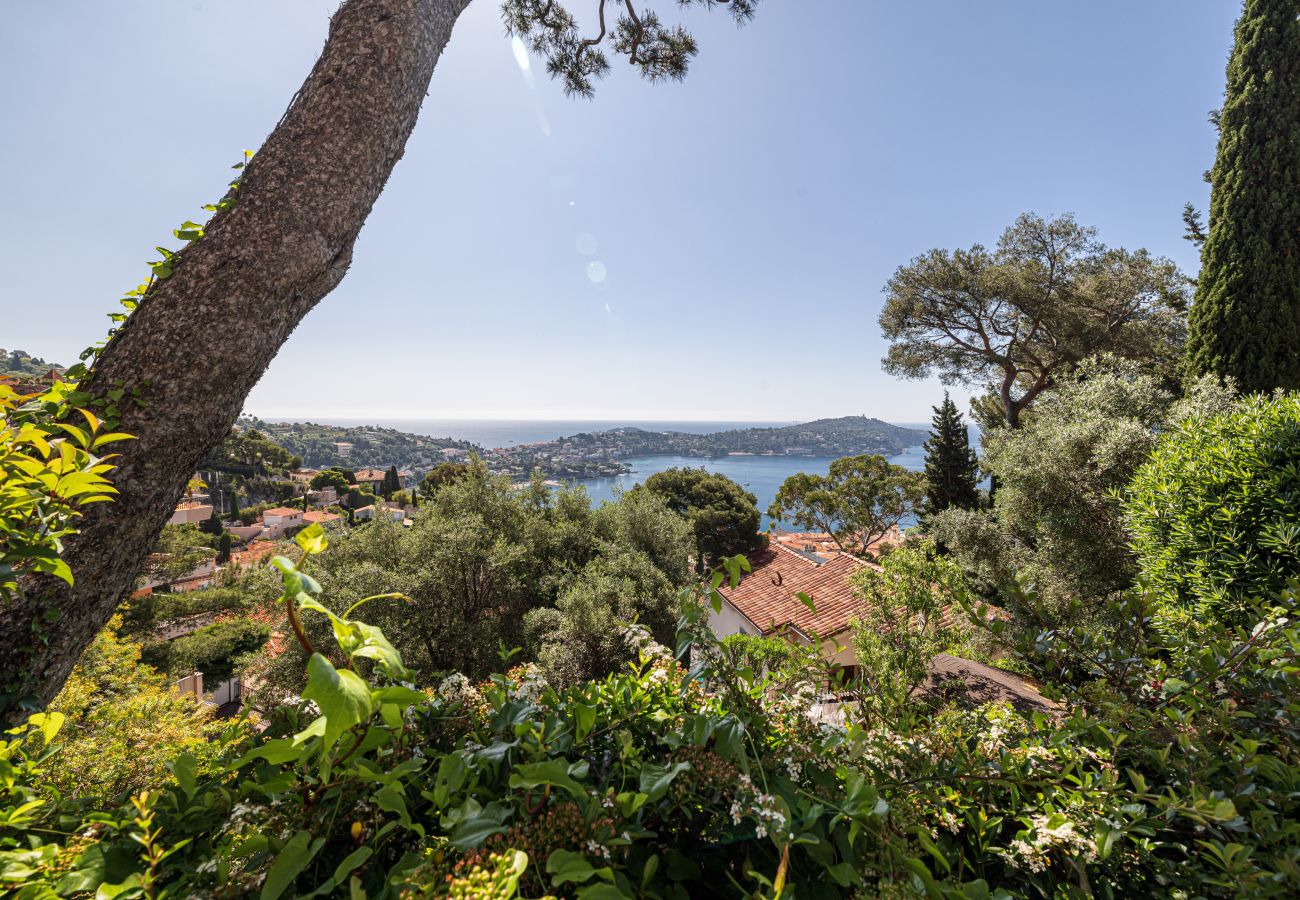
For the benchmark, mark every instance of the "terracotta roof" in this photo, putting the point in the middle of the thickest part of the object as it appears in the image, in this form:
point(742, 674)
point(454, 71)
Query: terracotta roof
point(978, 684)
point(821, 541)
point(254, 552)
point(766, 595)
point(283, 511)
point(370, 474)
point(320, 515)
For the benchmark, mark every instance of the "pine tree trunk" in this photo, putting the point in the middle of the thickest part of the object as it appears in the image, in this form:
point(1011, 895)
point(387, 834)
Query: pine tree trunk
point(257, 271)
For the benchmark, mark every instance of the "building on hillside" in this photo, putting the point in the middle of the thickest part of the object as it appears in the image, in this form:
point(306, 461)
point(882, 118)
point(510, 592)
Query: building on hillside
point(190, 513)
point(366, 513)
point(766, 601)
point(453, 454)
point(322, 517)
point(343, 449)
point(372, 477)
point(204, 575)
point(326, 496)
point(303, 476)
point(279, 520)
point(824, 543)
point(252, 555)
point(201, 576)
point(246, 532)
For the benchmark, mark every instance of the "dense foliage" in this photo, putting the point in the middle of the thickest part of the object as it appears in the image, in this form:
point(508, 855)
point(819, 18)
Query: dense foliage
point(658, 781)
point(249, 453)
point(1245, 321)
point(111, 693)
point(1056, 521)
point(485, 565)
point(723, 515)
point(907, 621)
point(1215, 512)
point(218, 650)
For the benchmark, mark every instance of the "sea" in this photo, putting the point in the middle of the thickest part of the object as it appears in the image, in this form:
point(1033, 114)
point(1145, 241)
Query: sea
point(760, 475)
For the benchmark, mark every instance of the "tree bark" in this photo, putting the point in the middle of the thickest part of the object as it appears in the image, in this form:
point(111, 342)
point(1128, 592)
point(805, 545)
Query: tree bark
point(260, 267)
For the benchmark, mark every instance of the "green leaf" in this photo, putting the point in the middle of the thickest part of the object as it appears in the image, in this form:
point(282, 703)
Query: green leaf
point(293, 858)
point(451, 775)
point(655, 780)
point(474, 830)
point(48, 723)
point(341, 694)
point(552, 771)
point(566, 866)
point(312, 538)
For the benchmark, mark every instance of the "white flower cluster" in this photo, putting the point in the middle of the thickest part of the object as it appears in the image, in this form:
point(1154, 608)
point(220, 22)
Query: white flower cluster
point(532, 684)
point(639, 640)
point(762, 807)
point(456, 688)
point(596, 849)
point(1031, 849)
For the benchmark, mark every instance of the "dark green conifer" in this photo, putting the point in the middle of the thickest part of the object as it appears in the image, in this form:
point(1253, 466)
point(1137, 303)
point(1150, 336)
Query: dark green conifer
point(391, 483)
point(212, 524)
point(951, 471)
point(1245, 321)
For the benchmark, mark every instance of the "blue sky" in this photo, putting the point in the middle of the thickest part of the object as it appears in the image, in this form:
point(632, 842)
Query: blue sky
point(744, 220)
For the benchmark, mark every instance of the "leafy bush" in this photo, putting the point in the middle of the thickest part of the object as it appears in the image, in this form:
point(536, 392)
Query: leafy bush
point(482, 556)
point(1215, 512)
point(658, 781)
point(905, 623)
point(142, 614)
point(125, 725)
point(1057, 520)
point(216, 650)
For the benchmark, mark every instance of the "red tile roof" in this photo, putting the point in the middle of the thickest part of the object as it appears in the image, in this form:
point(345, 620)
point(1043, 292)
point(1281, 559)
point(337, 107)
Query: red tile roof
point(253, 553)
point(283, 511)
point(766, 595)
point(320, 515)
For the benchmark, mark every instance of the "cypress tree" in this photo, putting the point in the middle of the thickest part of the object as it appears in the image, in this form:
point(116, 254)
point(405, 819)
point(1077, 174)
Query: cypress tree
point(951, 471)
point(1245, 321)
point(234, 506)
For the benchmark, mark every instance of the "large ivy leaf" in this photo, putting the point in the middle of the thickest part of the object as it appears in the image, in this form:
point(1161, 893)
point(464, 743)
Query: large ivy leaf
point(341, 694)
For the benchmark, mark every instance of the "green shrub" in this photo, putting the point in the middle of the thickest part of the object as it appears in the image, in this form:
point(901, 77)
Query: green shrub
point(143, 614)
point(215, 650)
point(1215, 512)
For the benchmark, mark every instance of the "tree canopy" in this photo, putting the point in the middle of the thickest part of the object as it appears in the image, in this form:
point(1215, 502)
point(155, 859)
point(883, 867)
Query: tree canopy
point(1018, 317)
point(857, 502)
point(723, 515)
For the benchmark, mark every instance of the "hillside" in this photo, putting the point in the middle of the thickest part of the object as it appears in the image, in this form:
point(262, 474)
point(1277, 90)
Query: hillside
point(318, 445)
point(601, 452)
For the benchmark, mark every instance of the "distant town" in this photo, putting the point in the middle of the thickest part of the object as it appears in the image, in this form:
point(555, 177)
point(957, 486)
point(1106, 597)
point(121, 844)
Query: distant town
point(586, 454)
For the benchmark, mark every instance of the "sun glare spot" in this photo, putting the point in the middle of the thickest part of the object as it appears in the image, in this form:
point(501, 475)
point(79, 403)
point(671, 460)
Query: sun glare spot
point(521, 58)
point(596, 271)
